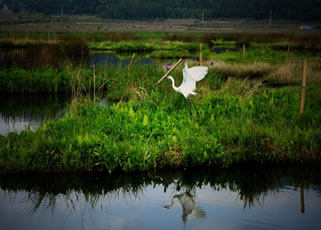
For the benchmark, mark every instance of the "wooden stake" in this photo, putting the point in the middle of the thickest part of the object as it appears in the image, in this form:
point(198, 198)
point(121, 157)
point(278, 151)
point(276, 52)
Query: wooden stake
point(173, 67)
point(131, 61)
point(288, 54)
point(201, 54)
point(304, 84)
point(94, 82)
point(243, 50)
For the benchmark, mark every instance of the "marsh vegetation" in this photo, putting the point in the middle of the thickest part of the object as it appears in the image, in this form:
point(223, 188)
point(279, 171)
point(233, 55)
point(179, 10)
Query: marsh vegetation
point(242, 119)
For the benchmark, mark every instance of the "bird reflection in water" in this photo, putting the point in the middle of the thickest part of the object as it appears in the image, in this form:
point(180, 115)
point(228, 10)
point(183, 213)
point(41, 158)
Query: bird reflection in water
point(187, 201)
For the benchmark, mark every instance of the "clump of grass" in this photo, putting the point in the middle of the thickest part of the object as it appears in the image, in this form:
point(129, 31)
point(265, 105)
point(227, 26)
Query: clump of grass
point(291, 73)
point(49, 80)
point(126, 46)
point(22, 81)
point(250, 70)
point(165, 54)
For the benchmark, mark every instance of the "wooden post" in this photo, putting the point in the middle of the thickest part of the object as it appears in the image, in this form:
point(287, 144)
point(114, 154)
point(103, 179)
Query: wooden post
point(288, 54)
point(243, 50)
point(304, 84)
point(174, 66)
point(201, 54)
point(131, 61)
point(94, 82)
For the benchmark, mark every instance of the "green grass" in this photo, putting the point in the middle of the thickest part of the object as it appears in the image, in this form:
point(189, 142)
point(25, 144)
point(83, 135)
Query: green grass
point(143, 45)
point(50, 80)
point(45, 80)
point(162, 130)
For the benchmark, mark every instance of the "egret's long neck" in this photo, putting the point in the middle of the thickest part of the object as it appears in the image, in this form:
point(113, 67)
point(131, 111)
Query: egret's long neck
point(173, 83)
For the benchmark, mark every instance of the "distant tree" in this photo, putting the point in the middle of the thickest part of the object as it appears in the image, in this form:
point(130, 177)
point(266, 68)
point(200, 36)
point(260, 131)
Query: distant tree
point(149, 9)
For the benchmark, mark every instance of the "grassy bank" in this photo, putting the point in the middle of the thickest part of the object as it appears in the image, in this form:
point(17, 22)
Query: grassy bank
point(162, 130)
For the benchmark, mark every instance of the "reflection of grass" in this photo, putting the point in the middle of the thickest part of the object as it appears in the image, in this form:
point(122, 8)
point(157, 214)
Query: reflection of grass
point(41, 54)
point(31, 106)
point(252, 184)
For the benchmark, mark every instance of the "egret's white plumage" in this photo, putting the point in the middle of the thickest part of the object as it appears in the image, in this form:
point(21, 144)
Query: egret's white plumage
point(190, 77)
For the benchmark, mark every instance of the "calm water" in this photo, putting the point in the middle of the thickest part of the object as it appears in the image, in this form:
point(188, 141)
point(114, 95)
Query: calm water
point(18, 112)
point(261, 198)
point(21, 57)
point(113, 59)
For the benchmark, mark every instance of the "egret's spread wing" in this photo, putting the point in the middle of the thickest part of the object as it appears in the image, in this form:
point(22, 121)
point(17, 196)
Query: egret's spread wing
point(198, 73)
point(186, 75)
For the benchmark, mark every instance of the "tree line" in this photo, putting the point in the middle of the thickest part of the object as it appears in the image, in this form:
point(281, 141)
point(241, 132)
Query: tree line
point(161, 9)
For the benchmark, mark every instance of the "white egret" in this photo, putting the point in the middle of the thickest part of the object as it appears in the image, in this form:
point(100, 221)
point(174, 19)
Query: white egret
point(190, 77)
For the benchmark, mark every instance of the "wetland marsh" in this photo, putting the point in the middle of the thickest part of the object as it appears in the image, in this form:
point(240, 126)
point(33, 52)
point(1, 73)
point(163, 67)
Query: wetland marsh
point(142, 126)
point(89, 140)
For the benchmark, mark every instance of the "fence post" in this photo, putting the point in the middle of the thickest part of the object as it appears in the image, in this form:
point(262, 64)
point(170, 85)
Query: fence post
point(243, 50)
point(304, 84)
point(288, 54)
point(201, 54)
point(95, 82)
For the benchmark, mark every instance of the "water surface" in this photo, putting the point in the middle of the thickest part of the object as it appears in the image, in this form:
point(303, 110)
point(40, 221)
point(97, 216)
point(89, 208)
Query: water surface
point(18, 112)
point(107, 58)
point(261, 198)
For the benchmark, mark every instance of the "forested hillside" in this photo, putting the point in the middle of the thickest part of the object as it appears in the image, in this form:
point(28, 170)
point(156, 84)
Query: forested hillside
point(160, 9)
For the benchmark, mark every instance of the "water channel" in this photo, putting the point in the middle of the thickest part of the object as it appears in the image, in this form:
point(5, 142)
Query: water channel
point(18, 112)
point(252, 198)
